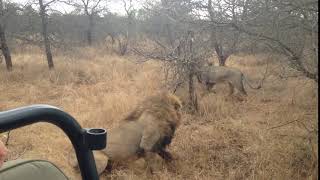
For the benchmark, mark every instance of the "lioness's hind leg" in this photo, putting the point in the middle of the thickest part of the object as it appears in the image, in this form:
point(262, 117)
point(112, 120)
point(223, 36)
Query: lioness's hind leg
point(231, 87)
point(210, 87)
point(239, 86)
point(242, 90)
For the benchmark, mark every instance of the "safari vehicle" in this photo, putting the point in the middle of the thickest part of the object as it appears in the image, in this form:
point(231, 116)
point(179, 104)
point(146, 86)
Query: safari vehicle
point(83, 141)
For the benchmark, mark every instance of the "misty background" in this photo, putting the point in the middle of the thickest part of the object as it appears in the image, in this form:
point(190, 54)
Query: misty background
point(157, 29)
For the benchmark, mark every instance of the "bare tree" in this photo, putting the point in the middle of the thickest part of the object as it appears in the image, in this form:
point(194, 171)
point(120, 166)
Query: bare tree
point(286, 27)
point(130, 16)
point(3, 43)
point(181, 62)
point(182, 49)
point(91, 8)
point(224, 37)
point(44, 23)
point(191, 70)
point(166, 4)
point(168, 18)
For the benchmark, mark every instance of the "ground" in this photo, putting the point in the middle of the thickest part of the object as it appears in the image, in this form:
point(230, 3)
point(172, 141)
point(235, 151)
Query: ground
point(227, 139)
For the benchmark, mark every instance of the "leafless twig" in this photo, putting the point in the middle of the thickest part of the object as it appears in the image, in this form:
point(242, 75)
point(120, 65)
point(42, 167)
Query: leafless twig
point(281, 125)
point(8, 138)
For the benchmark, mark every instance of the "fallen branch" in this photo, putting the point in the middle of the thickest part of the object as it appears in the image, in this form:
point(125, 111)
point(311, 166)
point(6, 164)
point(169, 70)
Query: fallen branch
point(8, 138)
point(281, 125)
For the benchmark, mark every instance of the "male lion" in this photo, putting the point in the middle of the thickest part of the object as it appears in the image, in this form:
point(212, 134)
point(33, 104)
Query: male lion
point(211, 75)
point(146, 131)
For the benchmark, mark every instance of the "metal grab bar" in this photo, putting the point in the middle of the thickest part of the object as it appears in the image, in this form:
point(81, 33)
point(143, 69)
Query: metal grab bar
point(83, 140)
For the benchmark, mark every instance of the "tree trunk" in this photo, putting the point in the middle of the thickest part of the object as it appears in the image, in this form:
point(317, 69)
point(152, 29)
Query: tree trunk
point(123, 46)
point(3, 43)
point(193, 100)
point(45, 34)
point(192, 92)
point(167, 25)
point(89, 37)
point(222, 60)
point(170, 35)
point(222, 57)
point(90, 30)
point(4, 48)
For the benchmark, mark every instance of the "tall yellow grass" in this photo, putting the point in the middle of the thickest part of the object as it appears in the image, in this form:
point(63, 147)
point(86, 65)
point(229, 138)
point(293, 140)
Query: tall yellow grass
point(227, 139)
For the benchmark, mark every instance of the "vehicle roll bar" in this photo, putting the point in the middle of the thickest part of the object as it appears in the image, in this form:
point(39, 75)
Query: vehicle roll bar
point(83, 140)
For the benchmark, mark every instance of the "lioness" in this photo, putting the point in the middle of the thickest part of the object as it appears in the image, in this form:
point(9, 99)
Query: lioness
point(211, 75)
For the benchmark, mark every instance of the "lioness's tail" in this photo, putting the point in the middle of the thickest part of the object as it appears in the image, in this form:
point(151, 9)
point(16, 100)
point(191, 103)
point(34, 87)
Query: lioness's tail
point(252, 87)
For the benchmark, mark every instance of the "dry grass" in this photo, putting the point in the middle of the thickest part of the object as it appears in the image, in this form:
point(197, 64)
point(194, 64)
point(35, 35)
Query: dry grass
point(228, 139)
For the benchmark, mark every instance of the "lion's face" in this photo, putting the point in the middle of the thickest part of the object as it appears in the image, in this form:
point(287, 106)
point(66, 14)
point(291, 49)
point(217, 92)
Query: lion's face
point(176, 104)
